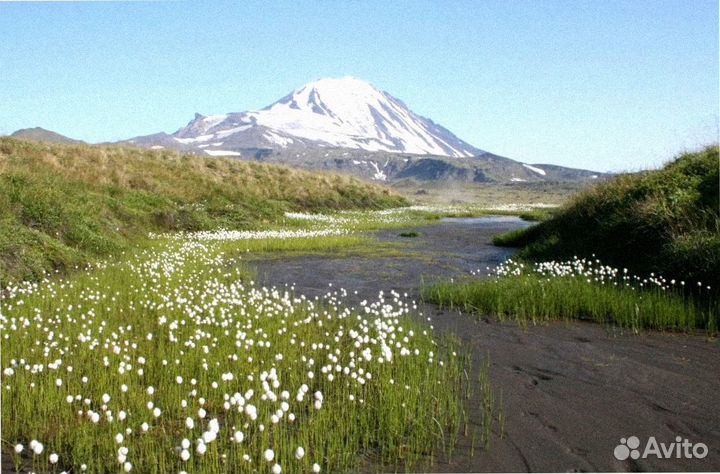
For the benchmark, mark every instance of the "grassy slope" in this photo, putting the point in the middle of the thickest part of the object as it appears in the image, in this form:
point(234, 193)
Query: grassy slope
point(63, 205)
point(665, 221)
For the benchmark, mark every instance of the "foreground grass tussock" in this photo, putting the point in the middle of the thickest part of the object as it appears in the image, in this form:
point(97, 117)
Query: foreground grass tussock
point(665, 221)
point(581, 289)
point(172, 360)
point(64, 205)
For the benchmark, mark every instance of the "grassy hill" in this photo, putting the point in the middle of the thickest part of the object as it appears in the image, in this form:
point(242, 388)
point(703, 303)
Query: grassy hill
point(39, 134)
point(665, 221)
point(63, 205)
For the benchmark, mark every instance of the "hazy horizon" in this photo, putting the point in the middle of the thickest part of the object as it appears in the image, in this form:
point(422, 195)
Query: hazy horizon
point(606, 86)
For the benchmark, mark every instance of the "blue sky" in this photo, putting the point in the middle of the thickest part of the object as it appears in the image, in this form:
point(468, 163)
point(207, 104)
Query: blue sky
point(604, 85)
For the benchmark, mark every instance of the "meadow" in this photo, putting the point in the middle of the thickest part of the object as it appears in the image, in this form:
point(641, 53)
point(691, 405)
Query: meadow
point(134, 338)
point(171, 359)
point(537, 292)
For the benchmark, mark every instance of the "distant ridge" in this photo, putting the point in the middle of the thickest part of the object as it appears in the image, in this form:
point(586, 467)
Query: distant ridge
point(40, 134)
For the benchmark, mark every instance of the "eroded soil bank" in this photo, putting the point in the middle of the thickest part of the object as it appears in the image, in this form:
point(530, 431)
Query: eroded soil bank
point(569, 391)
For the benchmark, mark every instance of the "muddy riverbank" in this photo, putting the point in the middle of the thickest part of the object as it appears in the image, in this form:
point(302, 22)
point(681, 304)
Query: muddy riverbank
point(570, 391)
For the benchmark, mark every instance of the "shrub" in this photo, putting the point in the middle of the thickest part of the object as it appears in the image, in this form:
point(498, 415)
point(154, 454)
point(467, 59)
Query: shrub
point(665, 221)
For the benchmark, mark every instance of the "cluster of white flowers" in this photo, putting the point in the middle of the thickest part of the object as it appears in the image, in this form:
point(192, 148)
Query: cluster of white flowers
point(188, 346)
point(322, 218)
point(518, 207)
point(590, 270)
point(348, 219)
point(231, 235)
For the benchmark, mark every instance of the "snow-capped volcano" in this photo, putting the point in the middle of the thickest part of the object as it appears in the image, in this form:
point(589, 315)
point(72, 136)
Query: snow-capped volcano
point(343, 113)
point(347, 125)
point(351, 113)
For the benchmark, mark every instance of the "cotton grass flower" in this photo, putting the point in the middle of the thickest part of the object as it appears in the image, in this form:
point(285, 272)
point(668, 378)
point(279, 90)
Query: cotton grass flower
point(36, 447)
point(201, 448)
point(209, 436)
point(214, 426)
point(212, 324)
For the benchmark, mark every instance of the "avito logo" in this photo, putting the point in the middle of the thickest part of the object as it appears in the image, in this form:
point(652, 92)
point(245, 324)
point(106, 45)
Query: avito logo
point(681, 448)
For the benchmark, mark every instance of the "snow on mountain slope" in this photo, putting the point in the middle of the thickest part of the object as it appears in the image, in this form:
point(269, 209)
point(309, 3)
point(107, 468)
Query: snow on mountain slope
point(537, 170)
point(350, 113)
point(346, 113)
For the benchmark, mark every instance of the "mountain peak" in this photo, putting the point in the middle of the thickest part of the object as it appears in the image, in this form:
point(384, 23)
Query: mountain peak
point(345, 80)
point(351, 113)
point(342, 93)
point(347, 85)
point(341, 112)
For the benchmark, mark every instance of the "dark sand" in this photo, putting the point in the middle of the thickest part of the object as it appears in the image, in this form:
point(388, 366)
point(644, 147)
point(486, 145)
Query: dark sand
point(570, 391)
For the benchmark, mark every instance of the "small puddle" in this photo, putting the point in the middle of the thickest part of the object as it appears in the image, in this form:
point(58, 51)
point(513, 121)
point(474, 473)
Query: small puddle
point(487, 220)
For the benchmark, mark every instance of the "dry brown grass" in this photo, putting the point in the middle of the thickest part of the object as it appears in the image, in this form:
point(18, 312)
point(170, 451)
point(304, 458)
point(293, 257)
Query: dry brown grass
point(64, 204)
point(185, 177)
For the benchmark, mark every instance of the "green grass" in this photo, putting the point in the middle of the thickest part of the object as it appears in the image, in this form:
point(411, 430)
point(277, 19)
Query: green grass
point(66, 205)
point(665, 221)
point(298, 245)
point(536, 215)
point(193, 297)
point(536, 299)
point(532, 214)
point(512, 238)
